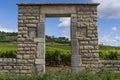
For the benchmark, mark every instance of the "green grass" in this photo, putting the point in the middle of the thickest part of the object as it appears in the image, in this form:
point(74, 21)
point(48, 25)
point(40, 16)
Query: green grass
point(8, 50)
point(8, 46)
point(64, 75)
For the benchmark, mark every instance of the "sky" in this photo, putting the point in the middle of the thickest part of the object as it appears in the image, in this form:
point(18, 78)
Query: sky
point(108, 19)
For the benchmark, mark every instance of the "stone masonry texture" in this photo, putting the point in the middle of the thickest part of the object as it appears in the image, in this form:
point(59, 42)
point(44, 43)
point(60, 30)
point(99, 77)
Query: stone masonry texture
point(31, 38)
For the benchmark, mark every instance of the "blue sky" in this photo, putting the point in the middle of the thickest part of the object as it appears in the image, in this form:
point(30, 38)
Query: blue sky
point(108, 19)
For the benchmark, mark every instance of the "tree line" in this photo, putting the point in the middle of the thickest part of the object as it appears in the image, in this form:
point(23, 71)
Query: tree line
point(12, 37)
point(8, 36)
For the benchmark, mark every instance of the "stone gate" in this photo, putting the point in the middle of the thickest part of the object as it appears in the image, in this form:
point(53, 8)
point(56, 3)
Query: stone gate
point(30, 58)
point(31, 34)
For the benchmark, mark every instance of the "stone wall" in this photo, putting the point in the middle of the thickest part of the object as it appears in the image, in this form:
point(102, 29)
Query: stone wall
point(30, 57)
point(8, 64)
point(110, 65)
point(84, 36)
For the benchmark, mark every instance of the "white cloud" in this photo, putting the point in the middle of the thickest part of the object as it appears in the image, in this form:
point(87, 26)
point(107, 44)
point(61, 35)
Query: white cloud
point(64, 22)
point(108, 8)
point(117, 38)
point(65, 25)
point(66, 33)
point(7, 29)
point(110, 38)
point(114, 28)
point(109, 41)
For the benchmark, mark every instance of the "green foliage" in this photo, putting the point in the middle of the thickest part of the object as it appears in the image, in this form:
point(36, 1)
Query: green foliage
point(8, 50)
point(8, 54)
point(64, 75)
point(109, 54)
point(8, 37)
point(61, 40)
point(57, 56)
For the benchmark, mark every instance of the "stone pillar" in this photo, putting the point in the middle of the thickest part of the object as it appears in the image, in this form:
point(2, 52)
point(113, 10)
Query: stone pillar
point(87, 35)
point(28, 17)
point(40, 40)
point(76, 57)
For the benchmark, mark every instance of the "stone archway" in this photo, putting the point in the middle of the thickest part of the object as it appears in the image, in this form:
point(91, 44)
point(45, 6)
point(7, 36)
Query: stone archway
point(31, 34)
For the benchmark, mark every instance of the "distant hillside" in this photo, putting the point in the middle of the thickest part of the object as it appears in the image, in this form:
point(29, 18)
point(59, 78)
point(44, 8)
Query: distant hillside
point(106, 47)
point(8, 37)
point(61, 40)
point(12, 37)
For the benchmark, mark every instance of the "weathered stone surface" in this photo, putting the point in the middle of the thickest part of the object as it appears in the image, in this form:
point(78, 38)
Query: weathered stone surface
point(58, 10)
point(31, 37)
point(40, 61)
point(75, 46)
point(82, 32)
point(40, 50)
point(76, 60)
point(41, 30)
point(40, 40)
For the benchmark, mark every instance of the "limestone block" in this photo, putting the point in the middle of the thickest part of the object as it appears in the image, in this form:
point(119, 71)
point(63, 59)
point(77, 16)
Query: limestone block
point(21, 18)
point(93, 42)
point(40, 50)
point(32, 34)
point(30, 18)
point(4, 71)
point(21, 25)
point(73, 18)
point(83, 51)
point(23, 32)
point(31, 61)
point(40, 69)
point(41, 30)
point(88, 47)
point(42, 17)
point(0, 59)
point(75, 46)
point(27, 14)
point(94, 51)
point(40, 40)
point(95, 55)
point(83, 42)
point(26, 56)
point(20, 21)
point(76, 60)
point(80, 47)
point(81, 32)
point(58, 10)
point(7, 67)
point(31, 25)
point(74, 30)
point(40, 61)
point(31, 21)
point(1, 68)
point(23, 71)
point(19, 56)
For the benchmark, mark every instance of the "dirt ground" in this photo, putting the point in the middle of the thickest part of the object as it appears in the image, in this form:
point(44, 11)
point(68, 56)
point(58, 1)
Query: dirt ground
point(57, 68)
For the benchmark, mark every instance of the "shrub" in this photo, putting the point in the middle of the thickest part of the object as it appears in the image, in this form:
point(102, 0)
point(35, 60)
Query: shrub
point(109, 55)
point(55, 57)
point(8, 54)
point(64, 75)
point(112, 56)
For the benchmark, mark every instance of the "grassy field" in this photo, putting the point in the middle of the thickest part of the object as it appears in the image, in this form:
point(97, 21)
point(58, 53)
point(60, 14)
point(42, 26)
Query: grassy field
point(64, 75)
point(59, 74)
point(8, 46)
point(8, 50)
point(65, 48)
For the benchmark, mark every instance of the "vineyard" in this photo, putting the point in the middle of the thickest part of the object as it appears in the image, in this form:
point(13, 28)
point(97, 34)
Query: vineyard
point(59, 54)
point(8, 50)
